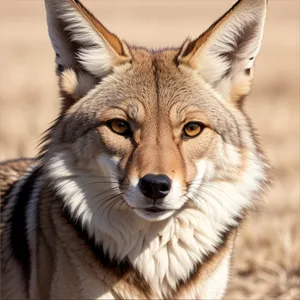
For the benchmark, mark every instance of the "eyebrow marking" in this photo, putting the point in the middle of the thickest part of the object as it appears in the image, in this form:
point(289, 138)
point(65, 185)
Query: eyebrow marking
point(133, 112)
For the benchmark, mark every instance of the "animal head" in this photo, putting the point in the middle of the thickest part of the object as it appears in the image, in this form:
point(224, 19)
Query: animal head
point(146, 135)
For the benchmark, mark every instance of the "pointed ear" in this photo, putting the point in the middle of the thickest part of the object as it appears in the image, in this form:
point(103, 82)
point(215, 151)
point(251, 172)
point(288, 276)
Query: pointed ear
point(225, 53)
point(85, 50)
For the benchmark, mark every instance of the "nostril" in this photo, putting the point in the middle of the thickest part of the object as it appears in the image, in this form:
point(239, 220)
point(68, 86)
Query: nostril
point(164, 187)
point(142, 185)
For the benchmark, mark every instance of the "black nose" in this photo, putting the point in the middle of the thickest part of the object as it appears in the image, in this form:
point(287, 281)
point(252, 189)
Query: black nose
point(155, 186)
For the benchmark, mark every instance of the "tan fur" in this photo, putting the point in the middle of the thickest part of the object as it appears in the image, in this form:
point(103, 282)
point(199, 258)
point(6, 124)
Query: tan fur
point(87, 226)
point(206, 270)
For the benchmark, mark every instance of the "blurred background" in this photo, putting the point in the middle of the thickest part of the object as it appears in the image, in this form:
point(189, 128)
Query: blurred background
point(267, 257)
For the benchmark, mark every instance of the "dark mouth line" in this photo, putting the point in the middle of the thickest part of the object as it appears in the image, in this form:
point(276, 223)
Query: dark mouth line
point(156, 209)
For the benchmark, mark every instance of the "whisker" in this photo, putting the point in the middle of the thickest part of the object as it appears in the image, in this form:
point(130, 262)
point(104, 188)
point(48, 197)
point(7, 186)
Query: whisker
point(200, 194)
point(113, 176)
point(98, 182)
point(103, 192)
point(94, 200)
point(208, 205)
point(206, 185)
point(103, 203)
point(219, 190)
point(110, 201)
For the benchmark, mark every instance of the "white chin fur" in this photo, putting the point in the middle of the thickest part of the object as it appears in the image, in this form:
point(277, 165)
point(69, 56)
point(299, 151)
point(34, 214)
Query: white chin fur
point(154, 217)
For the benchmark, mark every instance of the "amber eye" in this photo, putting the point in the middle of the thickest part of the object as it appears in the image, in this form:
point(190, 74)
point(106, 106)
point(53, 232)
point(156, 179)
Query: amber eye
point(193, 129)
point(119, 126)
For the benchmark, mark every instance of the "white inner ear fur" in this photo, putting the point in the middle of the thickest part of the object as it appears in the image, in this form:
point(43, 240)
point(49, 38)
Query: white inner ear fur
point(232, 47)
point(96, 55)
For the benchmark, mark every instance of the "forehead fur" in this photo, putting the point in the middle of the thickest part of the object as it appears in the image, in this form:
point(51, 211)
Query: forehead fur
point(151, 85)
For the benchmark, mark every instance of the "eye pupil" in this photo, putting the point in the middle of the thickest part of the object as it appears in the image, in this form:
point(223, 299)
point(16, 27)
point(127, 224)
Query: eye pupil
point(120, 124)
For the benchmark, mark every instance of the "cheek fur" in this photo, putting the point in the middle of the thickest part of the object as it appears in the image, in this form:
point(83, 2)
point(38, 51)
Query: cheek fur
point(200, 147)
point(200, 169)
point(86, 147)
point(113, 143)
point(108, 165)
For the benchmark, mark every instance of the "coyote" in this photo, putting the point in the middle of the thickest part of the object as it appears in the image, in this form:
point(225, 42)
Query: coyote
point(144, 178)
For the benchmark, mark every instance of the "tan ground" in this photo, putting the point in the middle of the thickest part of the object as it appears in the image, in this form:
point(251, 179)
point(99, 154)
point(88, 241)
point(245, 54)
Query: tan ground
point(267, 257)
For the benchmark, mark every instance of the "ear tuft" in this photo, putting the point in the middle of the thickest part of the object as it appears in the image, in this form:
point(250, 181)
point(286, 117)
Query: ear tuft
point(69, 82)
point(76, 85)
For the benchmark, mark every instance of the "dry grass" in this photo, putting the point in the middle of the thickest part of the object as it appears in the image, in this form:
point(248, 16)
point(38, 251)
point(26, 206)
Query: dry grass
point(267, 259)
